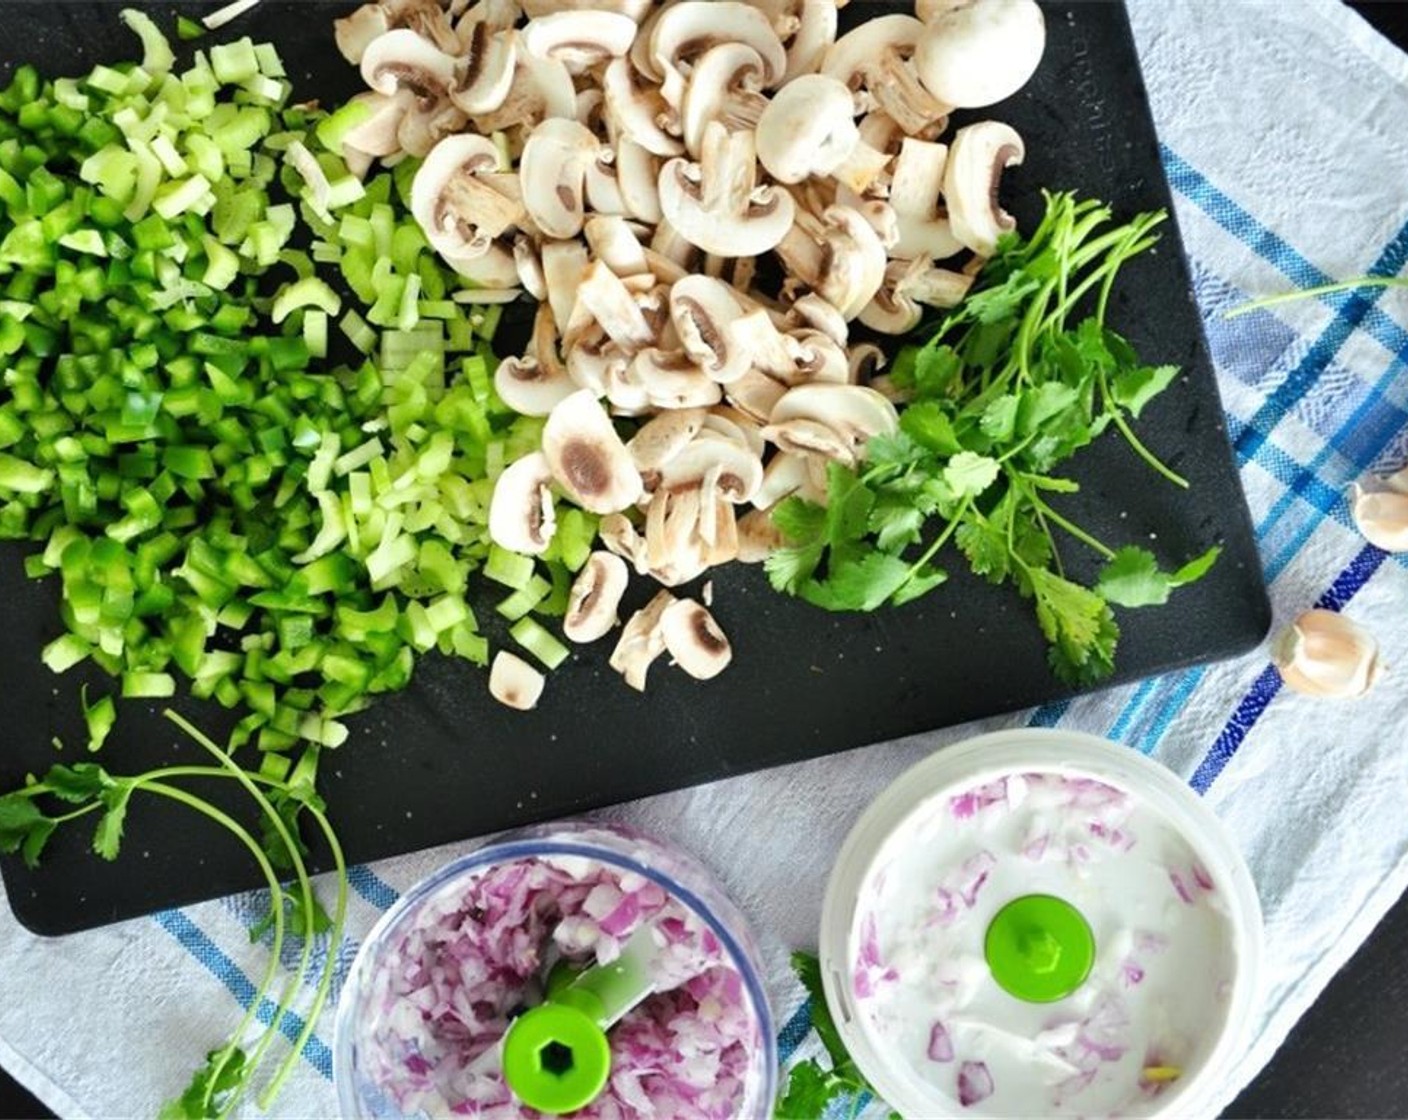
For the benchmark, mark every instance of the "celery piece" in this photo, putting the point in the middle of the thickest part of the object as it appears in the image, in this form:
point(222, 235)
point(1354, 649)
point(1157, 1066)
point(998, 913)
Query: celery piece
point(358, 331)
point(148, 685)
point(521, 602)
point(235, 62)
point(538, 641)
point(310, 291)
point(511, 569)
point(315, 332)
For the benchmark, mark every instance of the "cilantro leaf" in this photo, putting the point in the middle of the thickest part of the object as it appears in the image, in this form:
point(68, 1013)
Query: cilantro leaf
point(936, 368)
point(1041, 404)
point(1076, 621)
point(929, 426)
point(985, 546)
point(1093, 663)
point(923, 580)
point(892, 449)
point(35, 839)
point(848, 502)
point(1132, 579)
point(1132, 389)
point(810, 1089)
point(860, 584)
point(225, 1070)
point(1196, 568)
point(107, 839)
point(79, 783)
point(969, 474)
point(798, 519)
point(999, 420)
point(808, 970)
point(895, 521)
point(23, 828)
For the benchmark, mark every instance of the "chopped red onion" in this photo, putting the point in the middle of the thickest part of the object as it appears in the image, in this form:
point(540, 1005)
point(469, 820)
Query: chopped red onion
point(974, 1083)
point(940, 1044)
point(476, 956)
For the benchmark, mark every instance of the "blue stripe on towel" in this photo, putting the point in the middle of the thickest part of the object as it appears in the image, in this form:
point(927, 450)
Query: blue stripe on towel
point(199, 945)
point(1264, 689)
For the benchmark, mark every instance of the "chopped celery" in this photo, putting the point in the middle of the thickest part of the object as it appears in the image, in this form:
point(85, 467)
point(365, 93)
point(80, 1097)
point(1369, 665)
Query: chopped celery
point(539, 642)
point(509, 568)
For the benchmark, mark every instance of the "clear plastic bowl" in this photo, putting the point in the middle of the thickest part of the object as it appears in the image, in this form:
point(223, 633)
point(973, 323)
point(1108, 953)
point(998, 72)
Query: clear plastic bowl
point(896, 819)
point(686, 881)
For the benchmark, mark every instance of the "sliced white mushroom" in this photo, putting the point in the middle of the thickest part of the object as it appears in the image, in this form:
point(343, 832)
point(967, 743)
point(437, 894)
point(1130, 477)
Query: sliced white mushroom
point(635, 110)
point(819, 358)
point(580, 39)
point(758, 537)
point(595, 363)
point(769, 351)
point(587, 457)
point(974, 55)
point(976, 160)
point(355, 32)
point(493, 270)
point(641, 642)
point(515, 683)
point(527, 388)
point(694, 639)
point(671, 379)
point(638, 178)
point(603, 298)
point(636, 9)
point(755, 394)
point(490, 60)
point(377, 133)
point(820, 314)
point(459, 213)
point(553, 169)
point(807, 29)
point(520, 511)
point(541, 89)
point(894, 87)
point(915, 187)
point(614, 243)
point(733, 472)
point(725, 84)
point(564, 264)
point(853, 261)
point(664, 436)
point(621, 537)
point(702, 310)
point(731, 423)
point(856, 412)
point(686, 30)
point(402, 59)
point(808, 129)
point(424, 126)
point(716, 204)
point(812, 437)
point(595, 597)
point(855, 52)
point(530, 268)
point(789, 473)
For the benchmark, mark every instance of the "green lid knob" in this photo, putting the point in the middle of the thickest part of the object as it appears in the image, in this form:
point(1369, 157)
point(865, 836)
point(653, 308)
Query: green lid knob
point(556, 1059)
point(1039, 948)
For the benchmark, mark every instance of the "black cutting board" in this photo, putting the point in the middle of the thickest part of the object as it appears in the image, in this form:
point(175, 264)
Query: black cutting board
point(442, 761)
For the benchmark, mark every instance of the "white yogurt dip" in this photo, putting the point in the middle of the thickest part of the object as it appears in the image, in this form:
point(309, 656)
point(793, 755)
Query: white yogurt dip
point(1146, 1017)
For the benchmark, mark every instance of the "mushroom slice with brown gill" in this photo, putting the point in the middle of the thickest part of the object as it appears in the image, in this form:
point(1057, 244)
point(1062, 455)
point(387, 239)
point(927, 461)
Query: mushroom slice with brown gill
point(587, 457)
point(635, 110)
point(541, 90)
point(620, 536)
point(641, 641)
point(728, 469)
point(520, 510)
point(789, 473)
point(531, 388)
point(580, 39)
point(486, 73)
point(702, 310)
point(853, 412)
point(853, 259)
point(852, 55)
point(758, 537)
point(755, 394)
point(515, 683)
point(460, 214)
point(717, 205)
point(694, 639)
point(819, 314)
point(595, 597)
point(978, 156)
point(402, 59)
point(686, 30)
point(725, 84)
point(808, 129)
point(977, 54)
point(604, 298)
point(552, 170)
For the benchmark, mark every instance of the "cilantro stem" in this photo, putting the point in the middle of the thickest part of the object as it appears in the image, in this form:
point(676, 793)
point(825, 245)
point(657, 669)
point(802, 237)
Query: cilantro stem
point(1071, 527)
point(238, 830)
point(1319, 290)
point(1117, 416)
point(300, 871)
point(939, 541)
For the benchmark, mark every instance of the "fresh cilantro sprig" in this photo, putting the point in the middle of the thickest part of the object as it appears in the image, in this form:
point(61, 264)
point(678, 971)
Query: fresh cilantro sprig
point(1013, 383)
point(86, 789)
point(810, 1087)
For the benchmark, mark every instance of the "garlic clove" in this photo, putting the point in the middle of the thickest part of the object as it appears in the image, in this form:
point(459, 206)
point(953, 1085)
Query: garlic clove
point(1382, 516)
point(1326, 654)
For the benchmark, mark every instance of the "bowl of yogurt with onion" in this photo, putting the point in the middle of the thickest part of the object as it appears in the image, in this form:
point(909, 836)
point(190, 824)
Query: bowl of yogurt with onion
point(1038, 923)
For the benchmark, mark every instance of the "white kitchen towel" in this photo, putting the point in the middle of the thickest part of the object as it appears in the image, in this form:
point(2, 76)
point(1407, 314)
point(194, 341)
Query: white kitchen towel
point(1281, 125)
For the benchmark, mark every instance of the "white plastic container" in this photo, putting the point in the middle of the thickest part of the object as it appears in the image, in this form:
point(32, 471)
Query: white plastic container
point(908, 934)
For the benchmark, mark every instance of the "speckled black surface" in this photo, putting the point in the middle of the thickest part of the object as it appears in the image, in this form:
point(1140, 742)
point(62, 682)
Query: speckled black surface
point(443, 761)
